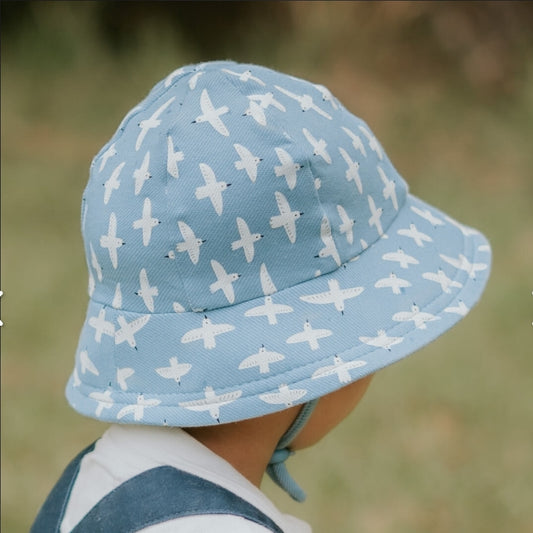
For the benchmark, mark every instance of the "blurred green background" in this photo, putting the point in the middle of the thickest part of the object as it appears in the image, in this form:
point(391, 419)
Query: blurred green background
point(444, 441)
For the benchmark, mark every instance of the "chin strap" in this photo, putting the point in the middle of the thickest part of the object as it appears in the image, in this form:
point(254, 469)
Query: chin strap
point(276, 469)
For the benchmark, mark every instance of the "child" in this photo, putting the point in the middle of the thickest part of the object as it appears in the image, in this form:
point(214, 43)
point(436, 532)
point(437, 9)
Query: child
point(254, 258)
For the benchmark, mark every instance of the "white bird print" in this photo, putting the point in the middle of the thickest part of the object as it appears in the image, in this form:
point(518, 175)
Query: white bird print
point(122, 375)
point(91, 284)
point(309, 335)
point(117, 298)
point(244, 76)
point(138, 408)
point(103, 399)
point(286, 218)
point(372, 141)
point(288, 167)
point(212, 402)
point(111, 241)
point(95, 264)
point(347, 224)
point(151, 123)
point(340, 368)
point(191, 244)
point(483, 248)
point(101, 326)
point(247, 240)
point(305, 101)
point(392, 282)
point(442, 279)
point(389, 191)
point(207, 333)
point(266, 100)
point(352, 172)
point(146, 222)
point(110, 152)
point(146, 292)
point(193, 80)
point(175, 371)
point(170, 78)
point(255, 111)
point(319, 146)
point(87, 365)
point(76, 381)
point(462, 263)
point(173, 158)
point(177, 307)
point(417, 236)
point(285, 396)
point(128, 329)
point(224, 281)
point(460, 309)
point(418, 317)
point(357, 143)
point(84, 214)
point(262, 359)
point(329, 250)
point(335, 295)
point(381, 341)
point(113, 183)
point(266, 281)
point(400, 257)
point(270, 310)
point(465, 230)
point(212, 115)
point(212, 188)
point(375, 219)
point(427, 215)
point(142, 174)
point(327, 96)
point(247, 161)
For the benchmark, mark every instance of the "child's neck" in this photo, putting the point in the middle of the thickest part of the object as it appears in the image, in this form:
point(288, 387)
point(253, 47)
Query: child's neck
point(247, 445)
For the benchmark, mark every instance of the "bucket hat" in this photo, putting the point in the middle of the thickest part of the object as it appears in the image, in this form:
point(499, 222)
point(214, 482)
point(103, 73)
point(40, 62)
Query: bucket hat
point(251, 247)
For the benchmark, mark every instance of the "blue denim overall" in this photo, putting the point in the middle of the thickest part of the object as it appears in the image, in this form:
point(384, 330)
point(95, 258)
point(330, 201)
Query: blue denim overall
point(145, 500)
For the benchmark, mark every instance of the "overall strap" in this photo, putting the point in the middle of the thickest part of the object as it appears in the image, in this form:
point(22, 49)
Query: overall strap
point(162, 494)
point(51, 514)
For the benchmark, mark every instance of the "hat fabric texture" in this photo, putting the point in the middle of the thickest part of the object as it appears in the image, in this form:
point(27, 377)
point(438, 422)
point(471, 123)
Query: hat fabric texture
point(251, 247)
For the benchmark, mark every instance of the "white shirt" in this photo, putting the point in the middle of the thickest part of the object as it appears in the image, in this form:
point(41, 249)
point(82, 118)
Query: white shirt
point(127, 450)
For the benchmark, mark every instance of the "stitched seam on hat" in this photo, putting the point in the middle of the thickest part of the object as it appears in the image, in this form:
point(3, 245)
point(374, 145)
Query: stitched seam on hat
point(280, 119)
point(324, 215)
point(400, 207)
point(176, 264)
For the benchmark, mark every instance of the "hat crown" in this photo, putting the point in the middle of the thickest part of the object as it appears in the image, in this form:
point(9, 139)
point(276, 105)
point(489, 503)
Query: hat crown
point(230, 182)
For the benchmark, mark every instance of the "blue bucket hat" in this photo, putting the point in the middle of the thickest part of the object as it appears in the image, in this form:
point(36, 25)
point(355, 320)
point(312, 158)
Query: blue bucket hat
point(251, 247)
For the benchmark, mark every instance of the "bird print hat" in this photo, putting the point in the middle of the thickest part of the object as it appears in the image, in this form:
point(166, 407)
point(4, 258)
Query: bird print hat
point(251, 247)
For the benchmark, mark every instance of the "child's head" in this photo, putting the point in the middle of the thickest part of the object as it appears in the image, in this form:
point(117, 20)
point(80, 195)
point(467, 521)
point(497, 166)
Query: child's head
point(251, 248)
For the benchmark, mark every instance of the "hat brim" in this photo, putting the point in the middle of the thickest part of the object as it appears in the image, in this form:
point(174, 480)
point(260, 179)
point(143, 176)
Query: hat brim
point(376, 323)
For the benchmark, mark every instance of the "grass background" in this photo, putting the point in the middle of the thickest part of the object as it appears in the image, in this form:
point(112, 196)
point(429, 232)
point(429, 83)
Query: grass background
point(444, 441)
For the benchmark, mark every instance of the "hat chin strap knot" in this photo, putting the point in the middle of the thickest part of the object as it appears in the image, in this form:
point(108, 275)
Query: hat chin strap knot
point(280, 456)
point(276, 468)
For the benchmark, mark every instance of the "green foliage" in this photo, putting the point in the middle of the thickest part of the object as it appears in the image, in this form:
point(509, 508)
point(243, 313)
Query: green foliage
point(443, 440)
